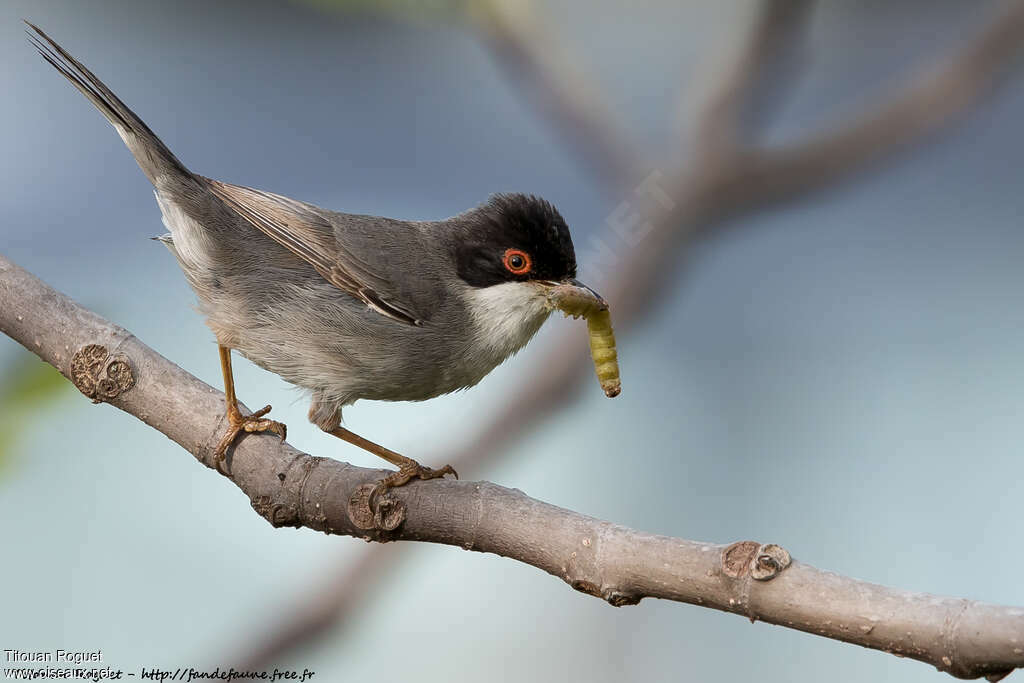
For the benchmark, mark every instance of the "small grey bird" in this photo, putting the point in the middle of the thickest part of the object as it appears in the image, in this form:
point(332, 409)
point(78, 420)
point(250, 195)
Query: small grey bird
point(347, 306)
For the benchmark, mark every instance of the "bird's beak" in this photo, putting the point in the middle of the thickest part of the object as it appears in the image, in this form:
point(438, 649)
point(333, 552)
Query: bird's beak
point(573, 296)
point(583, 292)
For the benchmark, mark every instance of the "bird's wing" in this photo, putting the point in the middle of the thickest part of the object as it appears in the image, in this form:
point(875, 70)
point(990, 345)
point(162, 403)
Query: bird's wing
point(309, 234)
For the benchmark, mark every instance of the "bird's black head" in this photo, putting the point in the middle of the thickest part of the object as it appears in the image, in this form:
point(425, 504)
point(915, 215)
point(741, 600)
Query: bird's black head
point(515, 238)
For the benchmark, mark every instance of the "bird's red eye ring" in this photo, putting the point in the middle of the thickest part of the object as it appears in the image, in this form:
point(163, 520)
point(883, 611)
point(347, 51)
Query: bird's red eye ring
point(517, 261)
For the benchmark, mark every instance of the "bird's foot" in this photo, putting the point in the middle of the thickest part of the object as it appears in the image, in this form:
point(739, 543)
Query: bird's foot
point(406, 473)
point(239, 424)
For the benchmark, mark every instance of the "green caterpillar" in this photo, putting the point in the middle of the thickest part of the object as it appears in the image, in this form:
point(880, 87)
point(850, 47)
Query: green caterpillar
point(602, 337)
point(602, 350)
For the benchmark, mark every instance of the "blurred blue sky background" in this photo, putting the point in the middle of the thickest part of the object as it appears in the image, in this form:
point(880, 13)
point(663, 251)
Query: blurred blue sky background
point(856, 353)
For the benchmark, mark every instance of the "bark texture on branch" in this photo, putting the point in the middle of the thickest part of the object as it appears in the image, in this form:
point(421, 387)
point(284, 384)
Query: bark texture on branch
point(290, 488)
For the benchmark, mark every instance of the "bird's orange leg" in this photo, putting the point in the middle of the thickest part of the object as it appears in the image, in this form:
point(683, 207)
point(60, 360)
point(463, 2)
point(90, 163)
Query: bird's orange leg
point(408, 468)
point(239, 424)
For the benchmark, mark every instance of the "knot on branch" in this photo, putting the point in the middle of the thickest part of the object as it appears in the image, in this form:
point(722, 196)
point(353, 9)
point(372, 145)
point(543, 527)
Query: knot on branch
point(278, 514)
point(761, 562)
point(613, 597)
point(368, 511)
point(99, 375)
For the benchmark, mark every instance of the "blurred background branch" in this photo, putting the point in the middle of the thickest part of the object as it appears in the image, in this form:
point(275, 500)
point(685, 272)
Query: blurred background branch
point(726, 174)
point(774, 37)
point(541, 65)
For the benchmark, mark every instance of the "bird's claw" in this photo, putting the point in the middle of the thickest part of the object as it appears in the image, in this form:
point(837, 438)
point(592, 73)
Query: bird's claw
point(239, 424)
point(406, 473)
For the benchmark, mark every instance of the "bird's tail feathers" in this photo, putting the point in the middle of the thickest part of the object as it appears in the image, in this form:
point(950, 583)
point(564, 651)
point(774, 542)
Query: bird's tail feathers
point(152, 155)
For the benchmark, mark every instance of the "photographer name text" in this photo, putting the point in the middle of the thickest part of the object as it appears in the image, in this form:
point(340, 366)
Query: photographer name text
point(54, 656)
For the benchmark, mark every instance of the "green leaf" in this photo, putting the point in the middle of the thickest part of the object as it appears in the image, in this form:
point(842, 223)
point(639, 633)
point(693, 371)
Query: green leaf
point(29, 380)
point(27, 385)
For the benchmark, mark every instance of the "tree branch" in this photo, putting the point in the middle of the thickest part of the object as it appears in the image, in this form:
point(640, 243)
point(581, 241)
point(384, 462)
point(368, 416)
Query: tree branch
point(919, 105)
point(622, 566)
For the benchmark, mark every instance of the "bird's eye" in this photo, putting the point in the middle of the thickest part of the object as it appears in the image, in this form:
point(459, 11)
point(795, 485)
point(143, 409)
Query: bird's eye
point(517, 261)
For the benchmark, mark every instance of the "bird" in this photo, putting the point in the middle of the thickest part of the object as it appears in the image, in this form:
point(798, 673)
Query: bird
point(347, 306)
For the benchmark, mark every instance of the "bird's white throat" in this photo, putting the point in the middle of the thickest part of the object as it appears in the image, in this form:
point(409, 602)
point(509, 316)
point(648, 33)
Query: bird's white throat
point(506, 316)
